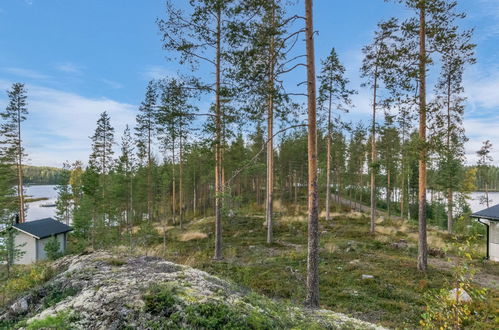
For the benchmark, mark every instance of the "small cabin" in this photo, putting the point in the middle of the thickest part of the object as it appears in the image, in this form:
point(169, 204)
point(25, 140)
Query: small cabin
point(32, 236)
point(490, 218)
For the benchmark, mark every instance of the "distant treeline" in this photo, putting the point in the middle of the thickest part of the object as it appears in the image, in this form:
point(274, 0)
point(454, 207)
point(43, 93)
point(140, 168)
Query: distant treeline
point(42, 175)
point(489, 175)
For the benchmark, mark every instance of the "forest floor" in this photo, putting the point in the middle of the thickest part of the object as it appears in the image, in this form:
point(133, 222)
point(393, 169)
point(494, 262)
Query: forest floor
point(393, 297)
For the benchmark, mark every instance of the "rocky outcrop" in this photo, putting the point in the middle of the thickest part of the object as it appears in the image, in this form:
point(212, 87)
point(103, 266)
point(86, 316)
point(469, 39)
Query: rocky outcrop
point(103, 291)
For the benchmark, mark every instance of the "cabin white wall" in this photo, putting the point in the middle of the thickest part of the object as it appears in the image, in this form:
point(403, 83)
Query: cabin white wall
point(27, 244)
point(494, 241)
point(42, 255)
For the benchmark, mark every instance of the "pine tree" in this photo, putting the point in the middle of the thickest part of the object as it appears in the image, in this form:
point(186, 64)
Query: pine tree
point(64, 196)
point(313, 198)
point(125, 168)
point(457, 52)
point(11, 138)
point(389, 154)
point(101, 157)
point(203, 37)
point(483, 164)
point(333, 91)
point(379, 58)
point(173, 118)
point(260, 64)
point(144, 132)
point(425, 35)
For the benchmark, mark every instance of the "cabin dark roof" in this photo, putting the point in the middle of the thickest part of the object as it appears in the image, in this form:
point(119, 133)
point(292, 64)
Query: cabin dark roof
point(492, 213)
point(43, 228)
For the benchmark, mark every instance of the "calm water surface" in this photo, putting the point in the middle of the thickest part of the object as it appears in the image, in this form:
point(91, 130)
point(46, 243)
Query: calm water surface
point(35, 210)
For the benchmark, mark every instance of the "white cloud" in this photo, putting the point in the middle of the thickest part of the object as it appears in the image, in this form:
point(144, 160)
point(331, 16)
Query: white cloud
point(482, 91)
point(156, 72)
point(25, 73)
point(111, 83)
point(479, 130)
point(68, 67)
point(481, 116)
point(60, 123)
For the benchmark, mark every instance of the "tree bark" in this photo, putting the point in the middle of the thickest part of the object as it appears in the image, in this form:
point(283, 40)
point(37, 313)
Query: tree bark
point(328, 161)
point(388, 192)
point(20, 190)
point(218, 147)
point(422, 244)
point(373, 157)
point(450, 219)
point(270, 142)
point(313, 216)
point(149, 173)
point(180, 178)
point(174, 193)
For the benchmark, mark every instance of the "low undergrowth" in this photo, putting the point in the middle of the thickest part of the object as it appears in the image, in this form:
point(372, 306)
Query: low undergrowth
point(170, 310)
point(393, 297)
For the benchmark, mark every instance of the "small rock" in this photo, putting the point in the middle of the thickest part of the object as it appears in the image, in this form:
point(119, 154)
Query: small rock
point(354, 262)
point(20, 306)
point(351, 246)
point(459, 295)
point(367, 277)
point(434, 252)
point(402, 244)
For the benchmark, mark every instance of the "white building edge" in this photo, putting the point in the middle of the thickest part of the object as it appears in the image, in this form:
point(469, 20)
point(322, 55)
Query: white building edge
point(490, 218)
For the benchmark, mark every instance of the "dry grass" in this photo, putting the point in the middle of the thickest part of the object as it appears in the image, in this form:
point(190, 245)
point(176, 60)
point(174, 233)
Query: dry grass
point(355, 215)
point(330, 247)
point(386, 230)
point(191, 235)
point(292, 218)
point(161, 229)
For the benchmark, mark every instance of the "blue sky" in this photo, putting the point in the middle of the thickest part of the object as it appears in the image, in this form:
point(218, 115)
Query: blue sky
point(81, 57)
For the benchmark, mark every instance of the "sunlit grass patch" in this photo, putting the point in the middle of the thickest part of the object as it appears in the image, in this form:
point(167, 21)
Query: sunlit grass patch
point(192, 235)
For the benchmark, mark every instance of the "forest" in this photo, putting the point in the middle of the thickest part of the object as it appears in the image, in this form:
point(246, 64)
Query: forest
point(268, 184)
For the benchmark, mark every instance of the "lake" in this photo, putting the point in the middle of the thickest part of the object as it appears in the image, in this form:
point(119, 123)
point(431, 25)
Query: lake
point(35, 209)
point(475, 202)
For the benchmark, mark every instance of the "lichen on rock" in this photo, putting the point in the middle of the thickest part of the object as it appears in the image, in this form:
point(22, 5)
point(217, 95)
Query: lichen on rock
point(104, 291)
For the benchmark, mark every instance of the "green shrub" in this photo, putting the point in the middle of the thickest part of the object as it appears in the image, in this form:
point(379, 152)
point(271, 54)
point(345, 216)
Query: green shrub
point(160, 300)
point(61, 321)
point(53, 248)
point(56, 295)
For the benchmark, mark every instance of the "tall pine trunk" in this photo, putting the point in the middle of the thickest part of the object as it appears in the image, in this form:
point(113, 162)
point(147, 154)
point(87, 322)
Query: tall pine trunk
point(373, 156)
point(180, 179)
point(218, 147)
point(270, 129)
point(20, 183)
point(422, 244)
point(149, 175)
point(174, 193)
point(328, 161)
point(313, 203)
point(388, 192)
